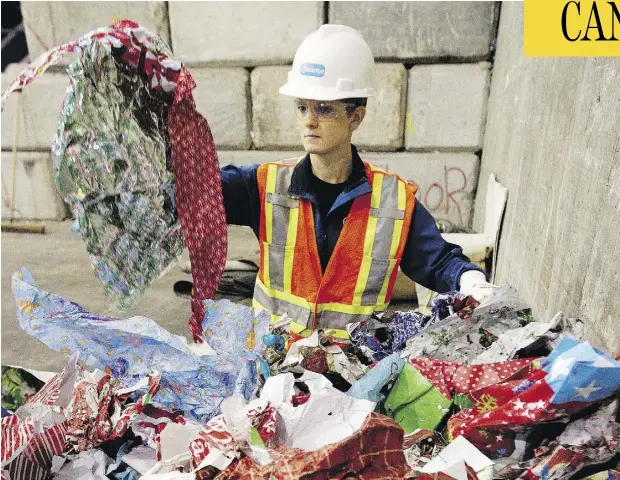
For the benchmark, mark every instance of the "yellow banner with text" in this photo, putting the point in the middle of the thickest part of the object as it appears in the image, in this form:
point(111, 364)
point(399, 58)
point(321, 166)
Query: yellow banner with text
point(563, 28)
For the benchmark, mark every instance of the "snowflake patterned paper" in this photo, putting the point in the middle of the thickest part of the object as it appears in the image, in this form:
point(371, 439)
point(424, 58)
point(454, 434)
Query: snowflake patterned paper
point(535, 395)
point(577, 372)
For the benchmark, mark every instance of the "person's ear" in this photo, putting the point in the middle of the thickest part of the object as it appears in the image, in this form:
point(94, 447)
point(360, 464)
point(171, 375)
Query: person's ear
point(357, 117)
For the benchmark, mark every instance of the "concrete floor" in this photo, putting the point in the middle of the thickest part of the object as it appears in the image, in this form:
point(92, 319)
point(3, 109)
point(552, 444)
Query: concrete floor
point(59, 264)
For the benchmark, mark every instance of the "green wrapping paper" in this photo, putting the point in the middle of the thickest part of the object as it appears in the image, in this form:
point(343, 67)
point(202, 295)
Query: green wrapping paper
point(112, 168)
point(17, 387)
point(415, 403)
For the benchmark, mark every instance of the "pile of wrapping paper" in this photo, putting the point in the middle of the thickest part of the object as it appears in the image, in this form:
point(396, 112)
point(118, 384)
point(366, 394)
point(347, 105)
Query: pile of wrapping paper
point(472, 391)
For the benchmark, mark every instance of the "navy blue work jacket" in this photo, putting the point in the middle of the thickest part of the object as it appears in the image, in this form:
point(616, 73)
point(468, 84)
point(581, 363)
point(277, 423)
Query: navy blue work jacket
point(427, 259)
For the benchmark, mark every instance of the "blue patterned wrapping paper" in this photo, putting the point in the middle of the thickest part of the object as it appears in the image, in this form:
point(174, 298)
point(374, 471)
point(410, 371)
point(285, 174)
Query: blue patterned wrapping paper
point(136, 347)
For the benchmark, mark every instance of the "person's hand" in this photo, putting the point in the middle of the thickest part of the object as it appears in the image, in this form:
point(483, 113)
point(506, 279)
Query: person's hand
point(474, 283)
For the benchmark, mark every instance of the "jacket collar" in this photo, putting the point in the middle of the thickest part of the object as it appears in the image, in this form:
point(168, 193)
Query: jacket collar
point(302, 175)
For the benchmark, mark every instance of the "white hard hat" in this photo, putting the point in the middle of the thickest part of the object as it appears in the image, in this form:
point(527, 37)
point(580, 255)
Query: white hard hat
point(332, 63)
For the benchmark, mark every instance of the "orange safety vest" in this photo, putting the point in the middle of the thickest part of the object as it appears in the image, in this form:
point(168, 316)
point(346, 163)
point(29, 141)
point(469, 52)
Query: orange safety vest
point(361, 272)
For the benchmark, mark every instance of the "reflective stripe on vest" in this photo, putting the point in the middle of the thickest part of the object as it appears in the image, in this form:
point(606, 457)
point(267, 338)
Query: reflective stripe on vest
point(281, 215)
point(280, 303)
point(387, 211)
point(388, 202)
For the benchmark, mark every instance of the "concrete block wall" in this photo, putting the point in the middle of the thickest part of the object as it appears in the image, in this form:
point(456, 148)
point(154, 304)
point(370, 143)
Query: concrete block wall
point(552, 139)
point(35, 196)
point(38, 107)
point(426, 122)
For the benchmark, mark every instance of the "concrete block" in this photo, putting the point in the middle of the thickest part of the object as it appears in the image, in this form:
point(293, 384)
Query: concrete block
point(446, 106)
point(36, 197)
point(446, 181)
point(241, 33)
point(222, 96)
point(274, 123)
point(39, 110)
point(382, 128)
point(49, 24)
point(409, 30)
point(273, 116)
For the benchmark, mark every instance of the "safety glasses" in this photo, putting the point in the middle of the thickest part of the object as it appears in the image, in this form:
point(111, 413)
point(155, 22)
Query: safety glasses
point(323, 111)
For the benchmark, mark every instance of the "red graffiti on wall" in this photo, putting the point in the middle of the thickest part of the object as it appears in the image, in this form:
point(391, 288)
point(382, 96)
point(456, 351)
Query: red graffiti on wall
point(445, 192)
point(440, 197)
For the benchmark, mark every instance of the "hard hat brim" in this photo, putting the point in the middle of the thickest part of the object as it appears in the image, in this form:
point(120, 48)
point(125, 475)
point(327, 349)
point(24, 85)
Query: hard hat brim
point(315, 92)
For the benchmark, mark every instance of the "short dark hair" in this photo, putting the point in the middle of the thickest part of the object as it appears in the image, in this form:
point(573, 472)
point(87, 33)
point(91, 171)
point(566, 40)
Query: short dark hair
point(353, 103)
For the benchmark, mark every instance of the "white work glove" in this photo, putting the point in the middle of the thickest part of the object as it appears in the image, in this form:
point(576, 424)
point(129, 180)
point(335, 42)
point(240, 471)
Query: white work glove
point(474, 283)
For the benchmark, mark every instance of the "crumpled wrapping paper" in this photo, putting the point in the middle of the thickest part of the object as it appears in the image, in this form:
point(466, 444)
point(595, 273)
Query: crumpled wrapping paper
point(461, 461)
point(377, 339)
point(578, 372)
point(591, 440)
point(414, 402)
point(370, 386)
point(18, 385)
point(314, 431)
point(223, 439)
point(151, 421)
point(497, 402)
point(99, 411)
point(109, 154)
point(276, 420)
point(137, 163)
point(309, 354)
point(74, 412)
point(461, 338)
point(375, 451)
point(36, 432)
point(198, 196)
point(111, 166)
point(87, 465)
point(533, 336)
point(329, 416)
point(554, 392)
point(132, 349)
point(128, 349)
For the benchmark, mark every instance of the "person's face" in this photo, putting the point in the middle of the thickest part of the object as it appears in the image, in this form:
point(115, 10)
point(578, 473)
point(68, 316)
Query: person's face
point(326, 126)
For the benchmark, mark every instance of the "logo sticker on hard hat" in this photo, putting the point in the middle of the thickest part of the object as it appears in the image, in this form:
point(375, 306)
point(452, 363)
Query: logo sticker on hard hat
point(313, 70)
